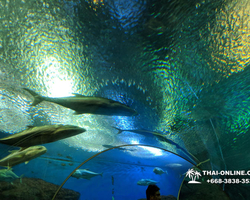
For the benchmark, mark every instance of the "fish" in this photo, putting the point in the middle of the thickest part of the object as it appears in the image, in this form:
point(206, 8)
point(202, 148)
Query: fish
point(159, 136)
point(86, 104)
point(57, 159)
point(85, 173)
point(22, 155)
point(174, 165)
point(159, 171)
point(41, 134)
point(119, 148)
point(7, 175)
point(145, 182)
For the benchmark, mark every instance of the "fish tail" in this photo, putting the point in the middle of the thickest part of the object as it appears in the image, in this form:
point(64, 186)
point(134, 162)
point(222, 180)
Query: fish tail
point(101, 174)
point(37, 98)
point(119, 130)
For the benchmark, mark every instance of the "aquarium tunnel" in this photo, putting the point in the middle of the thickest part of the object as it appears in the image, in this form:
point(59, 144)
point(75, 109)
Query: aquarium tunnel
point(101, 98)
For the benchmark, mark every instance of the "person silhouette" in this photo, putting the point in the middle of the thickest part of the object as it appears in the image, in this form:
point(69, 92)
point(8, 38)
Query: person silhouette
point(153, 192)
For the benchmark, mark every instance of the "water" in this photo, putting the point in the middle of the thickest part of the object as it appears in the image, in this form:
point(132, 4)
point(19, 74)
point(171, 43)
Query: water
point(182, 65)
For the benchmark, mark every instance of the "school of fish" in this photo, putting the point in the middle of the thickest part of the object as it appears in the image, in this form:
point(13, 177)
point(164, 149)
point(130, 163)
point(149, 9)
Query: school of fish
point(29, 139)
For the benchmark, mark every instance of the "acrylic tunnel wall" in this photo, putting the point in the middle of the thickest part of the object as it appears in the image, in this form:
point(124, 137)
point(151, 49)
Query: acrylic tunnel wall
point(125, 173)
point(80, 76)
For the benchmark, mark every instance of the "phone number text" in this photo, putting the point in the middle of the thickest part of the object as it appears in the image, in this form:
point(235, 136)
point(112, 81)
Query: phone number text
point(229, 181)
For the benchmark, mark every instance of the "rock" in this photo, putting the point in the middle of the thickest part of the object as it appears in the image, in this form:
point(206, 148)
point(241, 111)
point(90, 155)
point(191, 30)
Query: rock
point(35, 189)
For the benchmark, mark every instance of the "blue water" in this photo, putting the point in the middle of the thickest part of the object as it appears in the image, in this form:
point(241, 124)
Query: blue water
point(125, 169)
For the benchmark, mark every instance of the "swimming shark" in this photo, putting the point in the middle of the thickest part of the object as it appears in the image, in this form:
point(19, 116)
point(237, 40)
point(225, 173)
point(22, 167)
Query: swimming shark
point(159, 136)
point(41, 134)
point(85, 173)
point(86, 104)
point(22, 155)
point(145, 182)
point(8, 175)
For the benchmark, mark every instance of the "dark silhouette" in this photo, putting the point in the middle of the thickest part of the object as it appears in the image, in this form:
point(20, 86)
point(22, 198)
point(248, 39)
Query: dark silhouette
point(153, 192)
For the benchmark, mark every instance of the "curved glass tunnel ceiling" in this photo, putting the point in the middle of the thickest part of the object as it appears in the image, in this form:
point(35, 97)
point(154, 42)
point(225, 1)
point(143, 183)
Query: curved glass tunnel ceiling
point(182, 65)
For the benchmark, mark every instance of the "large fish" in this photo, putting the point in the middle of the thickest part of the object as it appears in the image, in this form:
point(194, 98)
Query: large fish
point(22, 155)
point(160, 137)
point(41, 134)
point(145, 182)
point(8, 175)
point(84, 104)
point(85, 173)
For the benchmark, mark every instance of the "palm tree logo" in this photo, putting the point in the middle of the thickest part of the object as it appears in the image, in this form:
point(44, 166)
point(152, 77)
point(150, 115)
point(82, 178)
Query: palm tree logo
point(193, 175)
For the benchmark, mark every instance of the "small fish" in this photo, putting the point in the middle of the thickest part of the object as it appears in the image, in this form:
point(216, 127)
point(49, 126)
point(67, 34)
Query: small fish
point(145, 182)
point(7, 175)
point(85, 173)
point(50, 159)
point(159, 171)
point(174, 165)
point(41, 134)
point(22, 155)
point(159, 136)
point(119, 148)
point(85, 104)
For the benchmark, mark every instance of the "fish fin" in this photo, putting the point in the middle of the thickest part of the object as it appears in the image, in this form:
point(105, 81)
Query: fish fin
point(26, 162)
point(119, 130)
point(37, 98)
point(78, 95)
